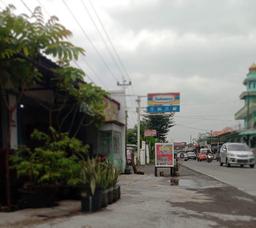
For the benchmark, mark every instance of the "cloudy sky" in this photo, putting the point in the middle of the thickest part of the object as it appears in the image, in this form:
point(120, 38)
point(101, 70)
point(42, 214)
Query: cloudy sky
point(201, 48)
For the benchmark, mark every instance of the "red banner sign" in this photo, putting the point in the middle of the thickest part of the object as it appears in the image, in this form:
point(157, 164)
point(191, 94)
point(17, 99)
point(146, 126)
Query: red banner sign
point(164, 155)
point(149, 132)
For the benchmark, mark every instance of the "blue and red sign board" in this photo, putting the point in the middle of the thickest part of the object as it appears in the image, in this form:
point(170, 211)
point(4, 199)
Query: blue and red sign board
point(163, 102)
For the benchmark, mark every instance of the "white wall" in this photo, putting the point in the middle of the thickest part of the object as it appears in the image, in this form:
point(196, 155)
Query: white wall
point(119, 96)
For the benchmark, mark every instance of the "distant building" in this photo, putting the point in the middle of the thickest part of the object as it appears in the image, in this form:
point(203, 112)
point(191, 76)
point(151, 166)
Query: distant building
point(248, 111)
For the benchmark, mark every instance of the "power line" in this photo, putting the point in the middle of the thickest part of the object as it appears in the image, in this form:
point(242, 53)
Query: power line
point(26, 6)
point(115, 58)
point(94, 73)
point(88, 38)
point(76, 63)
point(110, 41)
point(103, 40)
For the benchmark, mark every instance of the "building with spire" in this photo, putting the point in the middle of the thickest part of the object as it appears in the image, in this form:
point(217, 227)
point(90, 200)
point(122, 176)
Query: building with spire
point(248, 111)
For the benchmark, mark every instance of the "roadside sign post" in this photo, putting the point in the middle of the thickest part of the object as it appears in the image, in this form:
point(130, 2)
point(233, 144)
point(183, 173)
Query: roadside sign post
point(164, 156)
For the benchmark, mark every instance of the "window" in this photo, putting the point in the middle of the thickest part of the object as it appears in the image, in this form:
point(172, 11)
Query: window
point(238, 147)
point(116, 142)
point(105, 142)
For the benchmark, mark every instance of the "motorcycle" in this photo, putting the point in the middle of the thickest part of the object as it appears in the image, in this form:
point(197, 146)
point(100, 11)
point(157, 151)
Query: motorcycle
point(210, 157)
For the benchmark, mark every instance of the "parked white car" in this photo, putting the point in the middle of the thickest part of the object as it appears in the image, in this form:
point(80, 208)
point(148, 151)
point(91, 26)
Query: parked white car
point(191, 155)
point(236, 154)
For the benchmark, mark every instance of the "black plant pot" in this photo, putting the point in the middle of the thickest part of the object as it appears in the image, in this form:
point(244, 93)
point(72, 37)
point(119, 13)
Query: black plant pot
point(115, 193)
point(110, 195)
point(91, 203)
point(37, 197)
point(104, 198)
point(118, 187)
point(66, 192)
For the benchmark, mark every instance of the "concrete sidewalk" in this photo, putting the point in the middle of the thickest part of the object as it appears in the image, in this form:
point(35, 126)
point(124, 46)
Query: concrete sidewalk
point(149, 201)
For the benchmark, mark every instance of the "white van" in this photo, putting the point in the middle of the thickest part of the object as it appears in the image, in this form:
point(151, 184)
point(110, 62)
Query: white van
point(236, 154)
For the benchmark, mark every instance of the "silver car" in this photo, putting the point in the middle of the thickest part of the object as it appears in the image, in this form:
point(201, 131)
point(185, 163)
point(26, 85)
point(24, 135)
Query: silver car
point(236, 154)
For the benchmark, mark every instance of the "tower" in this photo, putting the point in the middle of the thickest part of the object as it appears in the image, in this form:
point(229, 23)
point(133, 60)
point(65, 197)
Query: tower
point(248, 111)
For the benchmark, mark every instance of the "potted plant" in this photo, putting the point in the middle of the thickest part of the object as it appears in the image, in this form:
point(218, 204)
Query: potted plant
point(90, 194)
point(103, 183)
point(116, 188)
point(112, 176)
point(52, 161)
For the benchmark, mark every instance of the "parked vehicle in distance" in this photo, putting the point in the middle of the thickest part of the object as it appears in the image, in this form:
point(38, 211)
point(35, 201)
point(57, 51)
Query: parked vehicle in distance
point(236, 154)
point(202, 155)
point(182, 155)
point(210, 157)
point(191, 155)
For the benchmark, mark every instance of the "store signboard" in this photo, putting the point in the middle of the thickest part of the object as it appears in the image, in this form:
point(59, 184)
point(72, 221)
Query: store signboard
point(164, 155)
point(149, 132)
point(163, 102)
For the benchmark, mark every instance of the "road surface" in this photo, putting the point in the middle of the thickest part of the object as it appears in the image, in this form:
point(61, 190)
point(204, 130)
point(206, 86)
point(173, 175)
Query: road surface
point(242, 178)
point(197, 201)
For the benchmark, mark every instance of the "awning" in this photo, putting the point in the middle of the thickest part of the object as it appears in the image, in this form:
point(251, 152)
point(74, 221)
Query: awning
point(248, 132)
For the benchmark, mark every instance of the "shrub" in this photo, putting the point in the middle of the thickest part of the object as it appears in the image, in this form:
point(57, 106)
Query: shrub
point(55, 158)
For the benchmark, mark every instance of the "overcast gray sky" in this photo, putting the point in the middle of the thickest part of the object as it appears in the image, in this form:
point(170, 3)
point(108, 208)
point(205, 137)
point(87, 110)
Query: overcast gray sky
point(201, 48)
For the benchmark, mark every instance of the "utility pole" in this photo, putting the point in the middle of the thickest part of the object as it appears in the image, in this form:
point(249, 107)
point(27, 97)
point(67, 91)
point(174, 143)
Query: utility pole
point(138, 126)
point(125, 84)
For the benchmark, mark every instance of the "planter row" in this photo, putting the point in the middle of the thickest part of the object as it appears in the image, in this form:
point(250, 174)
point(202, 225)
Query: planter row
point(100, 199)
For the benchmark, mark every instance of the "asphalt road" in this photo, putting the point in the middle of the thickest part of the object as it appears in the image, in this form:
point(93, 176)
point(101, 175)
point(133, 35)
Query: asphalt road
point(242, 178)
point(193, 200)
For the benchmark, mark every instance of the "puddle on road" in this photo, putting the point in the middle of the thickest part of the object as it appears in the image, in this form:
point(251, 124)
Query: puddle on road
point(188, 183)
point(192, 184)
point(185, 183)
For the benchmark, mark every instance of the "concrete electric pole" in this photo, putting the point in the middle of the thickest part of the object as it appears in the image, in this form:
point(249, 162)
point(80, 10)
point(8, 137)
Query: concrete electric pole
point(125, 84)
point(138, 126)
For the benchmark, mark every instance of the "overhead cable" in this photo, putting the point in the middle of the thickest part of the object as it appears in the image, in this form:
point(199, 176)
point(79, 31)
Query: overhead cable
point(88, 38)
point(82, 59)
point(26, 6)
point(103, 39)
point(110, 41)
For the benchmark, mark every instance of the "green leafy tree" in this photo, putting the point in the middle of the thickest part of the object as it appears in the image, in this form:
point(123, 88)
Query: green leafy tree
point(160, 123)
point(132, 133)
point(132, 136)
point(23, 41)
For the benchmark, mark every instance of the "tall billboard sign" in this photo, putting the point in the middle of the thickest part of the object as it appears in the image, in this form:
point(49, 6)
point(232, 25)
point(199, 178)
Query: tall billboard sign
point(164, 155)
point(163, 102)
